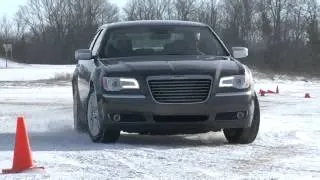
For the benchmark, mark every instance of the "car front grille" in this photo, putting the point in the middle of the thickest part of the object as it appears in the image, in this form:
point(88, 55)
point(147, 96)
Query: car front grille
point(185, 89)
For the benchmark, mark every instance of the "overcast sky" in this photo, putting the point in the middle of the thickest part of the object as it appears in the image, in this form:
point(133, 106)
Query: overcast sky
point(10, 7)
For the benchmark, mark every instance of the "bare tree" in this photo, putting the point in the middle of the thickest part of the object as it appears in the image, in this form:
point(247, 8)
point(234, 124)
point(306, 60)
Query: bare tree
point(148, 9)
point(58, 27)
point(19, 26)
point(5, 29)
point(207, 12)
point(237, 21)
point(313, 33)
point(277, 9)
point(185, 9)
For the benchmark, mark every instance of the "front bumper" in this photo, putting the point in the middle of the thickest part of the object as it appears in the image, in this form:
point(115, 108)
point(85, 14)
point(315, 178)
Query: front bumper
point(139, 113)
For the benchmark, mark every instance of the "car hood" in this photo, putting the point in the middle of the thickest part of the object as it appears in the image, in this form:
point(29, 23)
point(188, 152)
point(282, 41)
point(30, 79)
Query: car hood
point(171, 66)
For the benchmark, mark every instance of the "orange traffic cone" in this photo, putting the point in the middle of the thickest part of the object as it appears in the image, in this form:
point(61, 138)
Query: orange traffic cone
point(307, 95)
point(262, 92)
point(270, 92)
point(22, 159)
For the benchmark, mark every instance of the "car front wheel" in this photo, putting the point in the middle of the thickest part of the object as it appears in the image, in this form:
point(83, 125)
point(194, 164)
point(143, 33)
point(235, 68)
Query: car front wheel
point(97, 130)
point(245, 135)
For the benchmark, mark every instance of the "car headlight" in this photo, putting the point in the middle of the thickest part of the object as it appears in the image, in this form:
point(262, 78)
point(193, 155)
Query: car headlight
point(237, 81)
point(118, 83)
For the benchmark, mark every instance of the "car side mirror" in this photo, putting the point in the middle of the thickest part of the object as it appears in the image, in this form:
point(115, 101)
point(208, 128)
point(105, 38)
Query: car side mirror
point(240, 52)
point(83, 54)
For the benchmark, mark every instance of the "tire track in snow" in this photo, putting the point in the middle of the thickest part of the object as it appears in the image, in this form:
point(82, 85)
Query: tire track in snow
point(297, 169)
point(133, 166)
point(99, 161)
point(109, 162)
point(179, 162)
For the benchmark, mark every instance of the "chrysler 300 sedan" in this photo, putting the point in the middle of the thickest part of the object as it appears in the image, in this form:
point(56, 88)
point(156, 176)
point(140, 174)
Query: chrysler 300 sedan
point(163, 78)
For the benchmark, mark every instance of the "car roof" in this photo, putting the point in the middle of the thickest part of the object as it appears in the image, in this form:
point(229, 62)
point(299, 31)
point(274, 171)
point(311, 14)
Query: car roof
point(151, 23)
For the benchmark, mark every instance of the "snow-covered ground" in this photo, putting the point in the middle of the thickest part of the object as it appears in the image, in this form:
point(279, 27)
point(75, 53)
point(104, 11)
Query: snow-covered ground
point(31, 72)
point(287, 147)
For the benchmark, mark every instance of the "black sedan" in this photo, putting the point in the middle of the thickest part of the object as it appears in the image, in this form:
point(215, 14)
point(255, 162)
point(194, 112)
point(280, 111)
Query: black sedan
point(164, 78)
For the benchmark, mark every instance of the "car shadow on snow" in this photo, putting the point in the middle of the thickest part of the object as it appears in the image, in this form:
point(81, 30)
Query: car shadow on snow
point(173, 141)
point(72, 141)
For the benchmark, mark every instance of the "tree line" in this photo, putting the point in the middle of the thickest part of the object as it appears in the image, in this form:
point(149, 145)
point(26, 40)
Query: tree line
point(282, 35)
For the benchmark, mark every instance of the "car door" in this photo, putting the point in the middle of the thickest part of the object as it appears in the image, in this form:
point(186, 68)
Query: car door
point(86, 67)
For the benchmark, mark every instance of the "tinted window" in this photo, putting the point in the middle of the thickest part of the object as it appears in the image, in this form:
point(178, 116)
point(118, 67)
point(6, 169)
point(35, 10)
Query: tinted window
point(162, 40)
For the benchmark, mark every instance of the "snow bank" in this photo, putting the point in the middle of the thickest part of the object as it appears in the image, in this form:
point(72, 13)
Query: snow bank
point(31, 72)
point(10, 64)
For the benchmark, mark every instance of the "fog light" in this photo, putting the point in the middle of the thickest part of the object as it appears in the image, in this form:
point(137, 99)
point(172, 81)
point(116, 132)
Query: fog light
point(116, 117)
point(241, 115)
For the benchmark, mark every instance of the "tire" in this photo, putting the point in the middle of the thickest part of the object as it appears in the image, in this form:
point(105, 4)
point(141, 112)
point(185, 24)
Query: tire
point(97, 129)
point(78, 115)
point(245, 135)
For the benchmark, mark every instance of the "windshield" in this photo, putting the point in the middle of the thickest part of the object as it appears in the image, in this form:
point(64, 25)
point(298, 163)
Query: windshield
point(163, 40)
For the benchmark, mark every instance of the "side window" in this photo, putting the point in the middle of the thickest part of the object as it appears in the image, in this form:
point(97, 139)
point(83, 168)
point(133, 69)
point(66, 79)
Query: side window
point(96, 45)
point(94, 39)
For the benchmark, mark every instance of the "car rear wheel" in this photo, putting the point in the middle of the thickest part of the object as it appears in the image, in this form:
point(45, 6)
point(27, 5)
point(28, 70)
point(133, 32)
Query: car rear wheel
point(96, 128)
point(245, 135)
point(78, 115)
